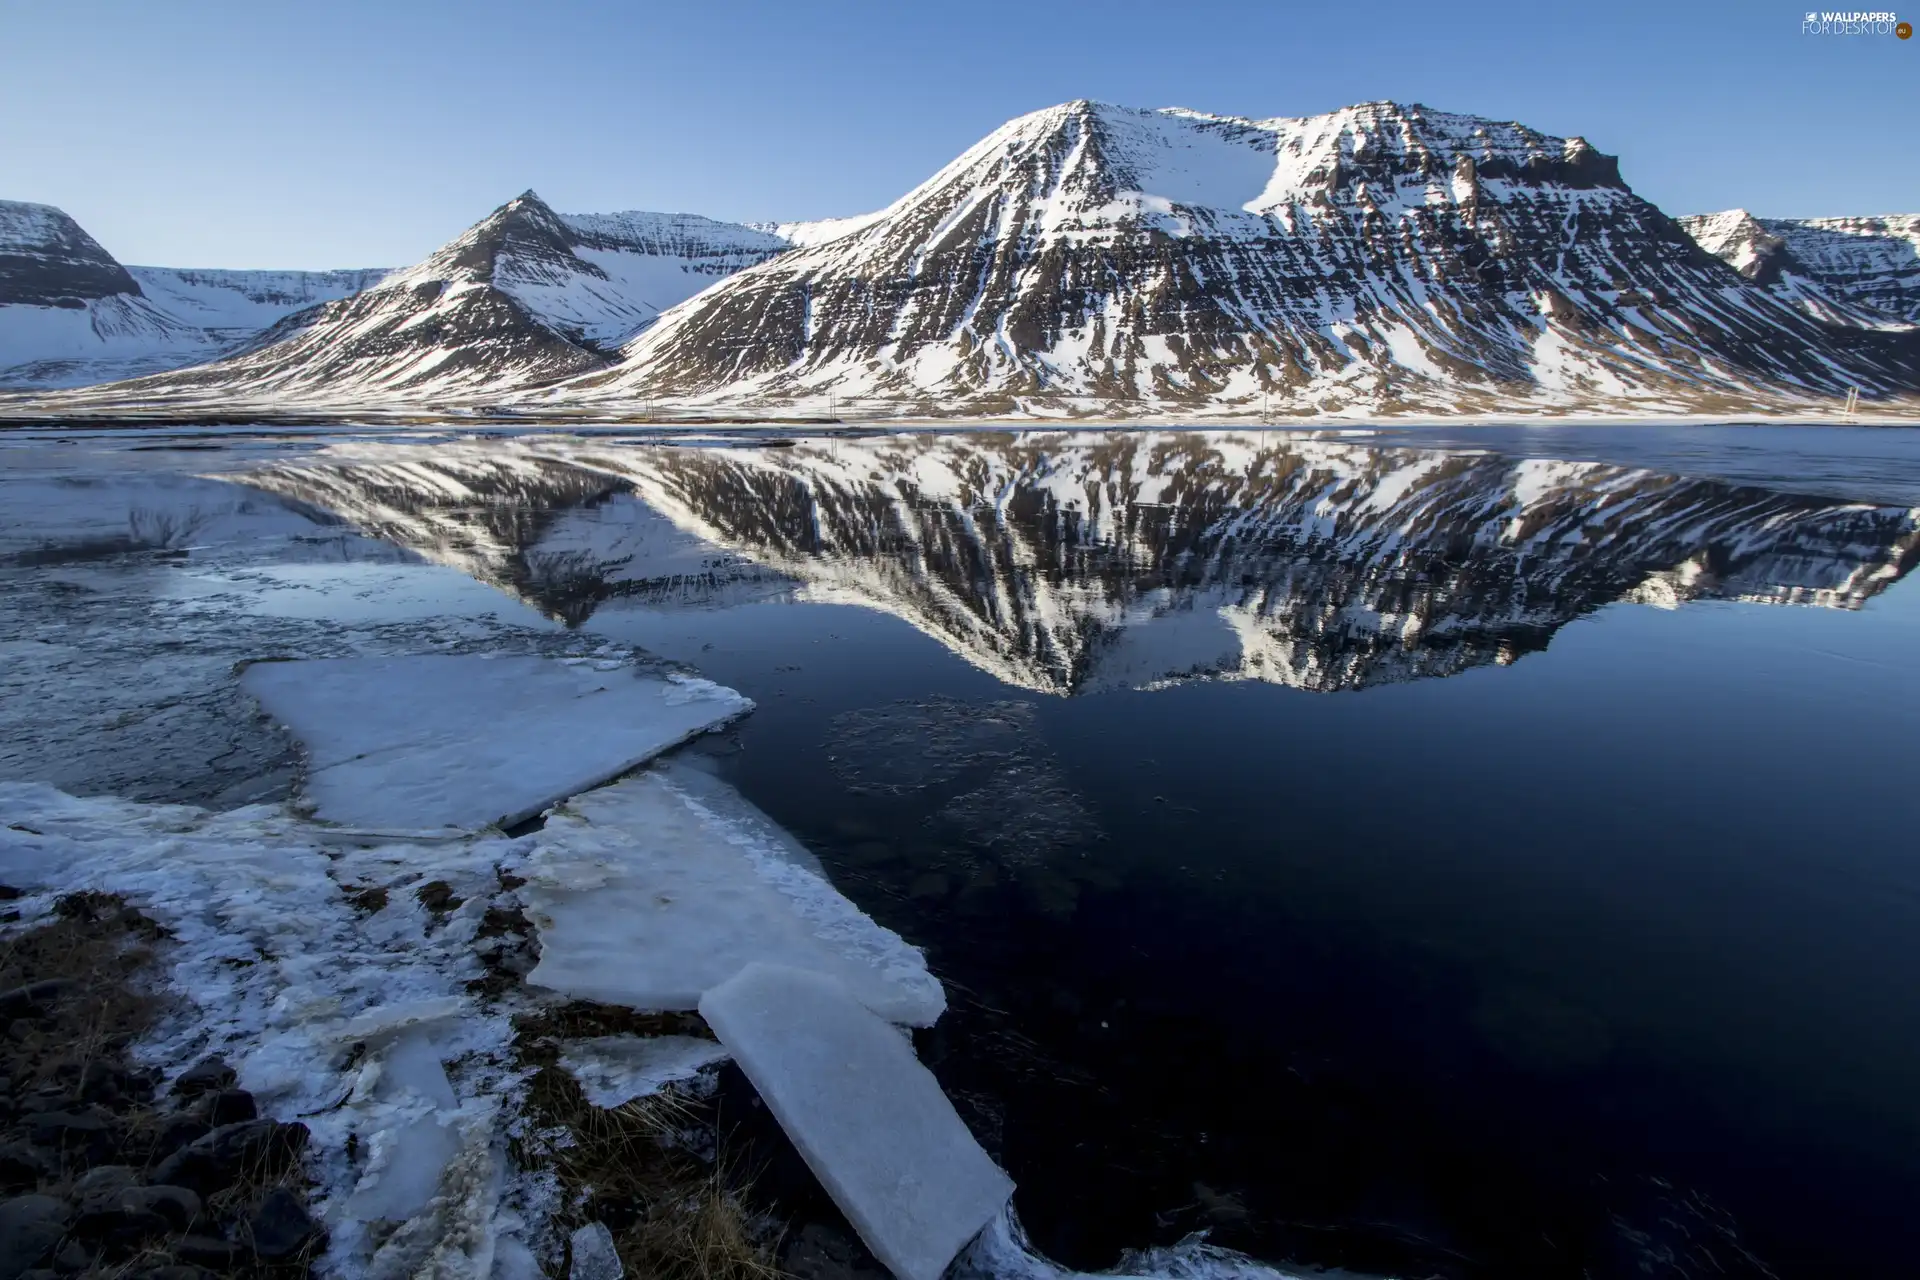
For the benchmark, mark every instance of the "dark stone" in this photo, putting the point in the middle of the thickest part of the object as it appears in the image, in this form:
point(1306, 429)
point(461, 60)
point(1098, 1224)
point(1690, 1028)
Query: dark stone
point(36, 998)
point(818, 1252)
point(8, 893)
point(23, 1166)
point(103, 1183)
point(30, 1226)
point(207, 1251)
point(90, 1130)
point(230, 1106)
point(103, 1082)
point(177, 1132)
point(259, 1148)
point(437, 896)
point(280, 1225)
point(73, 1257)
point(179, 1206)
point(206, 1076)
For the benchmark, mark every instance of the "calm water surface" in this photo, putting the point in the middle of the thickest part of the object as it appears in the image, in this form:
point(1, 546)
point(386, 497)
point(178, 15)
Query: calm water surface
point(1449, 862)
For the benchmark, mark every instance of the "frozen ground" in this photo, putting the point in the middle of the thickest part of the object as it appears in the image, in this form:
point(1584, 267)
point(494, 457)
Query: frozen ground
point(349, 999)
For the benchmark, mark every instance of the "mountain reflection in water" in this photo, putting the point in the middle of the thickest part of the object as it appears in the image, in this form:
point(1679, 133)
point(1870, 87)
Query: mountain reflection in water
point(1590, 968)
point(1072, 562)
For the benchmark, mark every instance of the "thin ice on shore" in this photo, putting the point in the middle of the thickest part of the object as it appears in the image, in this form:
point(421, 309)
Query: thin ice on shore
point(350, 973)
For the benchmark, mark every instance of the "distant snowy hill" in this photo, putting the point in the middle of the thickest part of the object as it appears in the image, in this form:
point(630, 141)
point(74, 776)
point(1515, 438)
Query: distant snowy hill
point(1380, 258)
point(1860, 271)
point(71, 315)
point(235, 305)
point(1068, 563)
point(522, 298)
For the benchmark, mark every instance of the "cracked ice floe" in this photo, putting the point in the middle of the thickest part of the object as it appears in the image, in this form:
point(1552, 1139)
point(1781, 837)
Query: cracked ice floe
point(646, 895)
point(357, 1025)
point(468, 741)
point(614, 1070)
point(870, 1120)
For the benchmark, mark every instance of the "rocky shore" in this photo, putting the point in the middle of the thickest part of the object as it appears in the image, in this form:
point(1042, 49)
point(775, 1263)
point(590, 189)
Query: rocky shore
point(109, 1168)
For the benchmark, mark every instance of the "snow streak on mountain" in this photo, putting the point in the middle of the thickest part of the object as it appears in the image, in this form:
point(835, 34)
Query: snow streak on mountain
point(1382, 257)
point(1072, 562)
point(1084, 260)
point(1858, 271)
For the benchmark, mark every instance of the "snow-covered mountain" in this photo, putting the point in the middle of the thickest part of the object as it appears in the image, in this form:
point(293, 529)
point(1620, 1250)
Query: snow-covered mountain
point(1091, 259)
point(1859, 271)
point(522, 298)
point(233, 306)
point(1068, 563)
point(71, 315)
point(1379, 258)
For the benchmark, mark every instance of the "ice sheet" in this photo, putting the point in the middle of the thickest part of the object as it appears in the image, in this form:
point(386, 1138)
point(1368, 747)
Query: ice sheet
point(471, 740)
point(871, 1122)
point(612, 1070)
point(273, 967)
point(645, 897)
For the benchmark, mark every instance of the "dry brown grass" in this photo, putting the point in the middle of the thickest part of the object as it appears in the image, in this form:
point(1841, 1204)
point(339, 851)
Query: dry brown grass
point(673, 1215)
point(100, 945)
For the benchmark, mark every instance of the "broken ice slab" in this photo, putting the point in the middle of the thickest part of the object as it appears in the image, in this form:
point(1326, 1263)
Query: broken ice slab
point(869, 1120)
point(613, 1070)
point(645, 895)
point(467, 741)
point(594, 1254)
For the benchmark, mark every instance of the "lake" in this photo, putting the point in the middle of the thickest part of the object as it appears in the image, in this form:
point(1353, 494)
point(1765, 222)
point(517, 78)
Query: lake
point(1451, 852)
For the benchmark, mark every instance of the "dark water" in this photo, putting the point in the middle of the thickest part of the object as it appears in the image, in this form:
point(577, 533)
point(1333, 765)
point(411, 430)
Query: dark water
point(1423, 864)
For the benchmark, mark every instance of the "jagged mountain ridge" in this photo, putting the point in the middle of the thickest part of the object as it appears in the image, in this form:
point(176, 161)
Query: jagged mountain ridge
point(1091, 259)
point(1860, 271)
point(1382, 257)
point(71, 314)
point(524, 297)
point(1070, 563)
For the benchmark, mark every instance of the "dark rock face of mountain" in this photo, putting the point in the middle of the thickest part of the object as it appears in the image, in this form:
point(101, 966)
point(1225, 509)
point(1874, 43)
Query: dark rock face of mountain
point(1071, 563)
point(1382, 256)
point(47, 260)
point(1863, 271)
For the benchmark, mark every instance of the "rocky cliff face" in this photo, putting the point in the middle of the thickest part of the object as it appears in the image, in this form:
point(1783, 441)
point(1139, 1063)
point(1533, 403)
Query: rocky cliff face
point(1068, 563)
point(47, 260)
point(1860, 271)
point(1382, 257)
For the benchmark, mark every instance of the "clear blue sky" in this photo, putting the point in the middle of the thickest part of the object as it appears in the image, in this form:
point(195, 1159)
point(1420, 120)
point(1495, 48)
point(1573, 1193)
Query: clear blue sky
point(318, 133)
